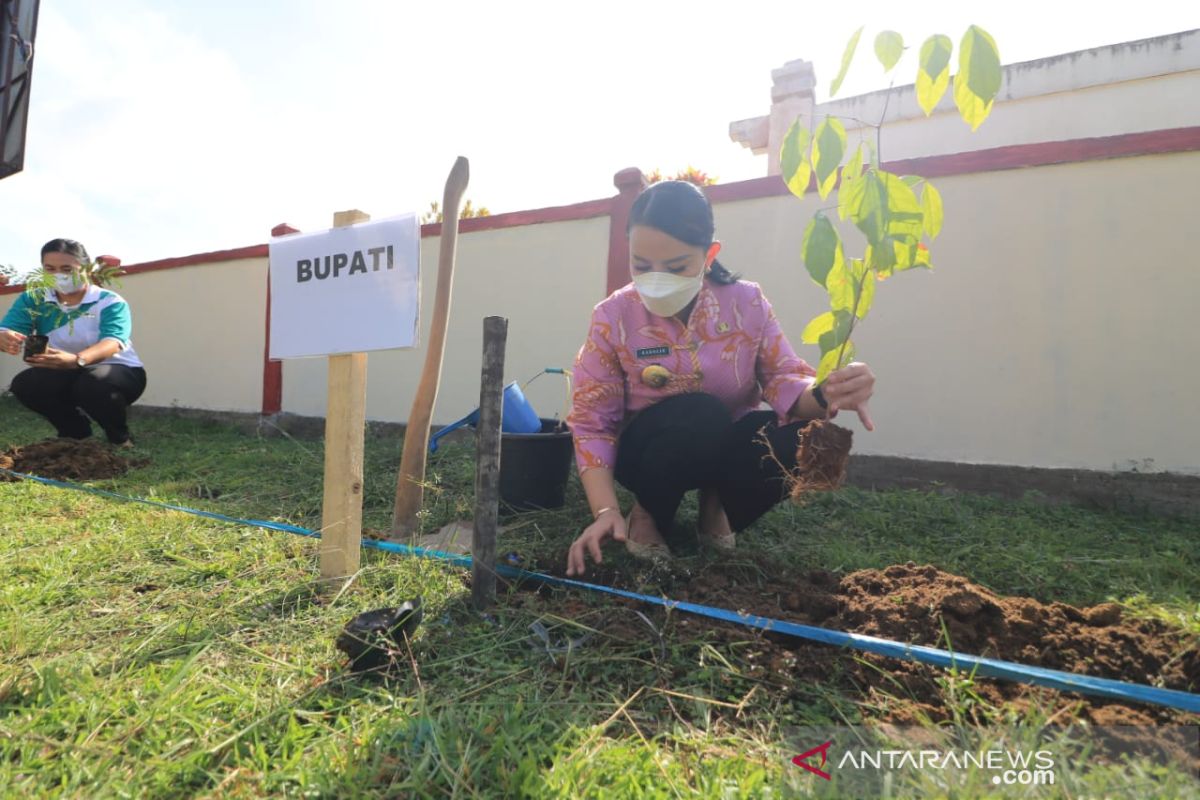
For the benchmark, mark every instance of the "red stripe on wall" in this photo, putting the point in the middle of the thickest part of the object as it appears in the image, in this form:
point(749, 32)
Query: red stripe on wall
point(514, 219)
point(1016, 156)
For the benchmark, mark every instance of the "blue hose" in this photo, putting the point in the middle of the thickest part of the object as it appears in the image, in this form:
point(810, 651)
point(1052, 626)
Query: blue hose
point(985, 667)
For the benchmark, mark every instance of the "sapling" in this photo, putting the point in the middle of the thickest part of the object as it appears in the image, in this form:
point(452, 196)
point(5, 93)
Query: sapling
point(40, 285)
point(897, 215)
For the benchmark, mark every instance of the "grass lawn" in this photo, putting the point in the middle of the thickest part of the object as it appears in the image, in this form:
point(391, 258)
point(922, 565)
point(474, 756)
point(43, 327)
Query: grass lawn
point(149, 653)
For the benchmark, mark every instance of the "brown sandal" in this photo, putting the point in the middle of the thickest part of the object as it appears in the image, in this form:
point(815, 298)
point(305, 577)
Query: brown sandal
point(643, 551)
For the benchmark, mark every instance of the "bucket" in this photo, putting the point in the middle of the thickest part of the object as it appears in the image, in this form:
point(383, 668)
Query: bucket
point(517, 417)
point(534, 467)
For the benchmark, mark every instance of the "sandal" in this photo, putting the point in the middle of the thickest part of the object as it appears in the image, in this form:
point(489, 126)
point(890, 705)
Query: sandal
point(657, 551)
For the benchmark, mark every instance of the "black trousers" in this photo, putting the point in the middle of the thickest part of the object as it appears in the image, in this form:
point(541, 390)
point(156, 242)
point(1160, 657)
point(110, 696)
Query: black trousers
point(102, 391)
point(690, 442)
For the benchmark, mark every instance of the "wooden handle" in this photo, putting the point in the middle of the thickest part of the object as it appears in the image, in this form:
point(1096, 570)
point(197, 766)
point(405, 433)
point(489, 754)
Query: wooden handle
point(411, 480)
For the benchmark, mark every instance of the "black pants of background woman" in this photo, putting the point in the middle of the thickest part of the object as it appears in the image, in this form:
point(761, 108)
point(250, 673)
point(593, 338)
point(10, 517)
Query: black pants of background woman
point(689, 442)
point(103, 392)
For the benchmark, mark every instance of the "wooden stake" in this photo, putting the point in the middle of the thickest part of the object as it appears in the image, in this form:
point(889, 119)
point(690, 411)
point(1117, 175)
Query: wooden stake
point(410, 483)
point(345, 422)
point(487, 464)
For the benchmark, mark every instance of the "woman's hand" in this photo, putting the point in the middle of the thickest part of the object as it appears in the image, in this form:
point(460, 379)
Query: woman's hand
point(54, 359)
point(850, 388)
point(11, 342)
point(609, 524)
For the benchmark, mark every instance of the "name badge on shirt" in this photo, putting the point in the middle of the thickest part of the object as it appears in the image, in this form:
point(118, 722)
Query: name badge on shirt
point(651, 352)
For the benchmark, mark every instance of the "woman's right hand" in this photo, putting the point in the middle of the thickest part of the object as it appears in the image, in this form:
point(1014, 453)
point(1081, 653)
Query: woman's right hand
point(610, 524)
point(11, 342)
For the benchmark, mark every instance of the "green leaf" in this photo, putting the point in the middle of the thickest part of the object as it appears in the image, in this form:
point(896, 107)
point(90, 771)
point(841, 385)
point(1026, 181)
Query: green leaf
point(831, 361)
point(840, 285)
point(851, 195)
point(933, 76)
point(853, 168)
point(865, 279)
point(817, 327)
point(821, 248)
point(882, 259)
point(904, 216)
point(828, 147)
point(839, 330)
point(867, 206)
point(793, 159)
point(921, 257)
point(978, 78)
point(889, 46)
point(882, 205)
point(910, 256)
point(911, 181)
point(931, 207)
point(846, 58)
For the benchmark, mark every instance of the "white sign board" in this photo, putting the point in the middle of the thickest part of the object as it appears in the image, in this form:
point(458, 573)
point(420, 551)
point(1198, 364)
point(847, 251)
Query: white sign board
point(346, 290)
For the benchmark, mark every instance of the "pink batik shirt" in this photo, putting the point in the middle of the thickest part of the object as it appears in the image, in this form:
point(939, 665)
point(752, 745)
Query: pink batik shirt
point(731, 347)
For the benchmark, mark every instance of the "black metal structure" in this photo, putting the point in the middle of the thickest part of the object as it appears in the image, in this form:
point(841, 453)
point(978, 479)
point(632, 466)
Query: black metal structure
point(18, 27)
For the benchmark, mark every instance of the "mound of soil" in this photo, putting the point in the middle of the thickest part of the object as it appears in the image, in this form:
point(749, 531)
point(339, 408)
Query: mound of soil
point(65, 460)
point(923, 605)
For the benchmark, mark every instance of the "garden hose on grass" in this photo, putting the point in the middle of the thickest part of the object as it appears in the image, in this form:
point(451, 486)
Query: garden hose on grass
point(975, 665)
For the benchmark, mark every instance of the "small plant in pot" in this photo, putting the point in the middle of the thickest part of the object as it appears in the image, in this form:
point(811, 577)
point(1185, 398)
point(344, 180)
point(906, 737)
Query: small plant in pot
point(36, 287)
point(40, 285)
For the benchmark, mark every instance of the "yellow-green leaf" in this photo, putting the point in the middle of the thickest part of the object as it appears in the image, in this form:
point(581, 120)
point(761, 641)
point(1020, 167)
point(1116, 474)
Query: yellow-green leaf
point(889, 46)
point(840, 285)
point(833, 360)
point(903, 216)
point(816, 327)
point(840, 325)
point(793, 159)
point(850, 197)
point(846, 57)
point(933, 76)
point(828, 147)
point(931, 207)
point(866, 287)
point(978, 78)
point(866, 206)
point(921, 258)
point(853, 168)
point(821, 248)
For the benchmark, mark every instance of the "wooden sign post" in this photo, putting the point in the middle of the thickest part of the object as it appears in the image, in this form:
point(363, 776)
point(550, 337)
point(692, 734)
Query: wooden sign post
point(345, 423)
point(337, 295)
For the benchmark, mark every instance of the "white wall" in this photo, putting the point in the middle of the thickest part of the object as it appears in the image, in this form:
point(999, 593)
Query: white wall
point(1056, 330)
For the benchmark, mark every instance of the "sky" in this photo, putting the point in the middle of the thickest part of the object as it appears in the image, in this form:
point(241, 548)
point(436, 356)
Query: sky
point(163, 128)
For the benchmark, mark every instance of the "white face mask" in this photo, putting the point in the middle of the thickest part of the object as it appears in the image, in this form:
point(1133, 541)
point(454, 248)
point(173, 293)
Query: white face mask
point(69, 283)
point(665, 294)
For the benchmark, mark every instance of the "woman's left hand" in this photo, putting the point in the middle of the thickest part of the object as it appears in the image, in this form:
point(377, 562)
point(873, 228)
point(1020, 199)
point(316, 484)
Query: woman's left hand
point(53, 359)
point(850, 388)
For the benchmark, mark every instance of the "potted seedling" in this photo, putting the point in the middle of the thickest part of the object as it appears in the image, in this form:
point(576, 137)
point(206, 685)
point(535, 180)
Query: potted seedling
point(102, 272)
point(897, 215)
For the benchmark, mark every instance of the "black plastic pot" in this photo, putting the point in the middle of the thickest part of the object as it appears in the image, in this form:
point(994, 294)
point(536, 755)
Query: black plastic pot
point(534, 468)
point(35, 345)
